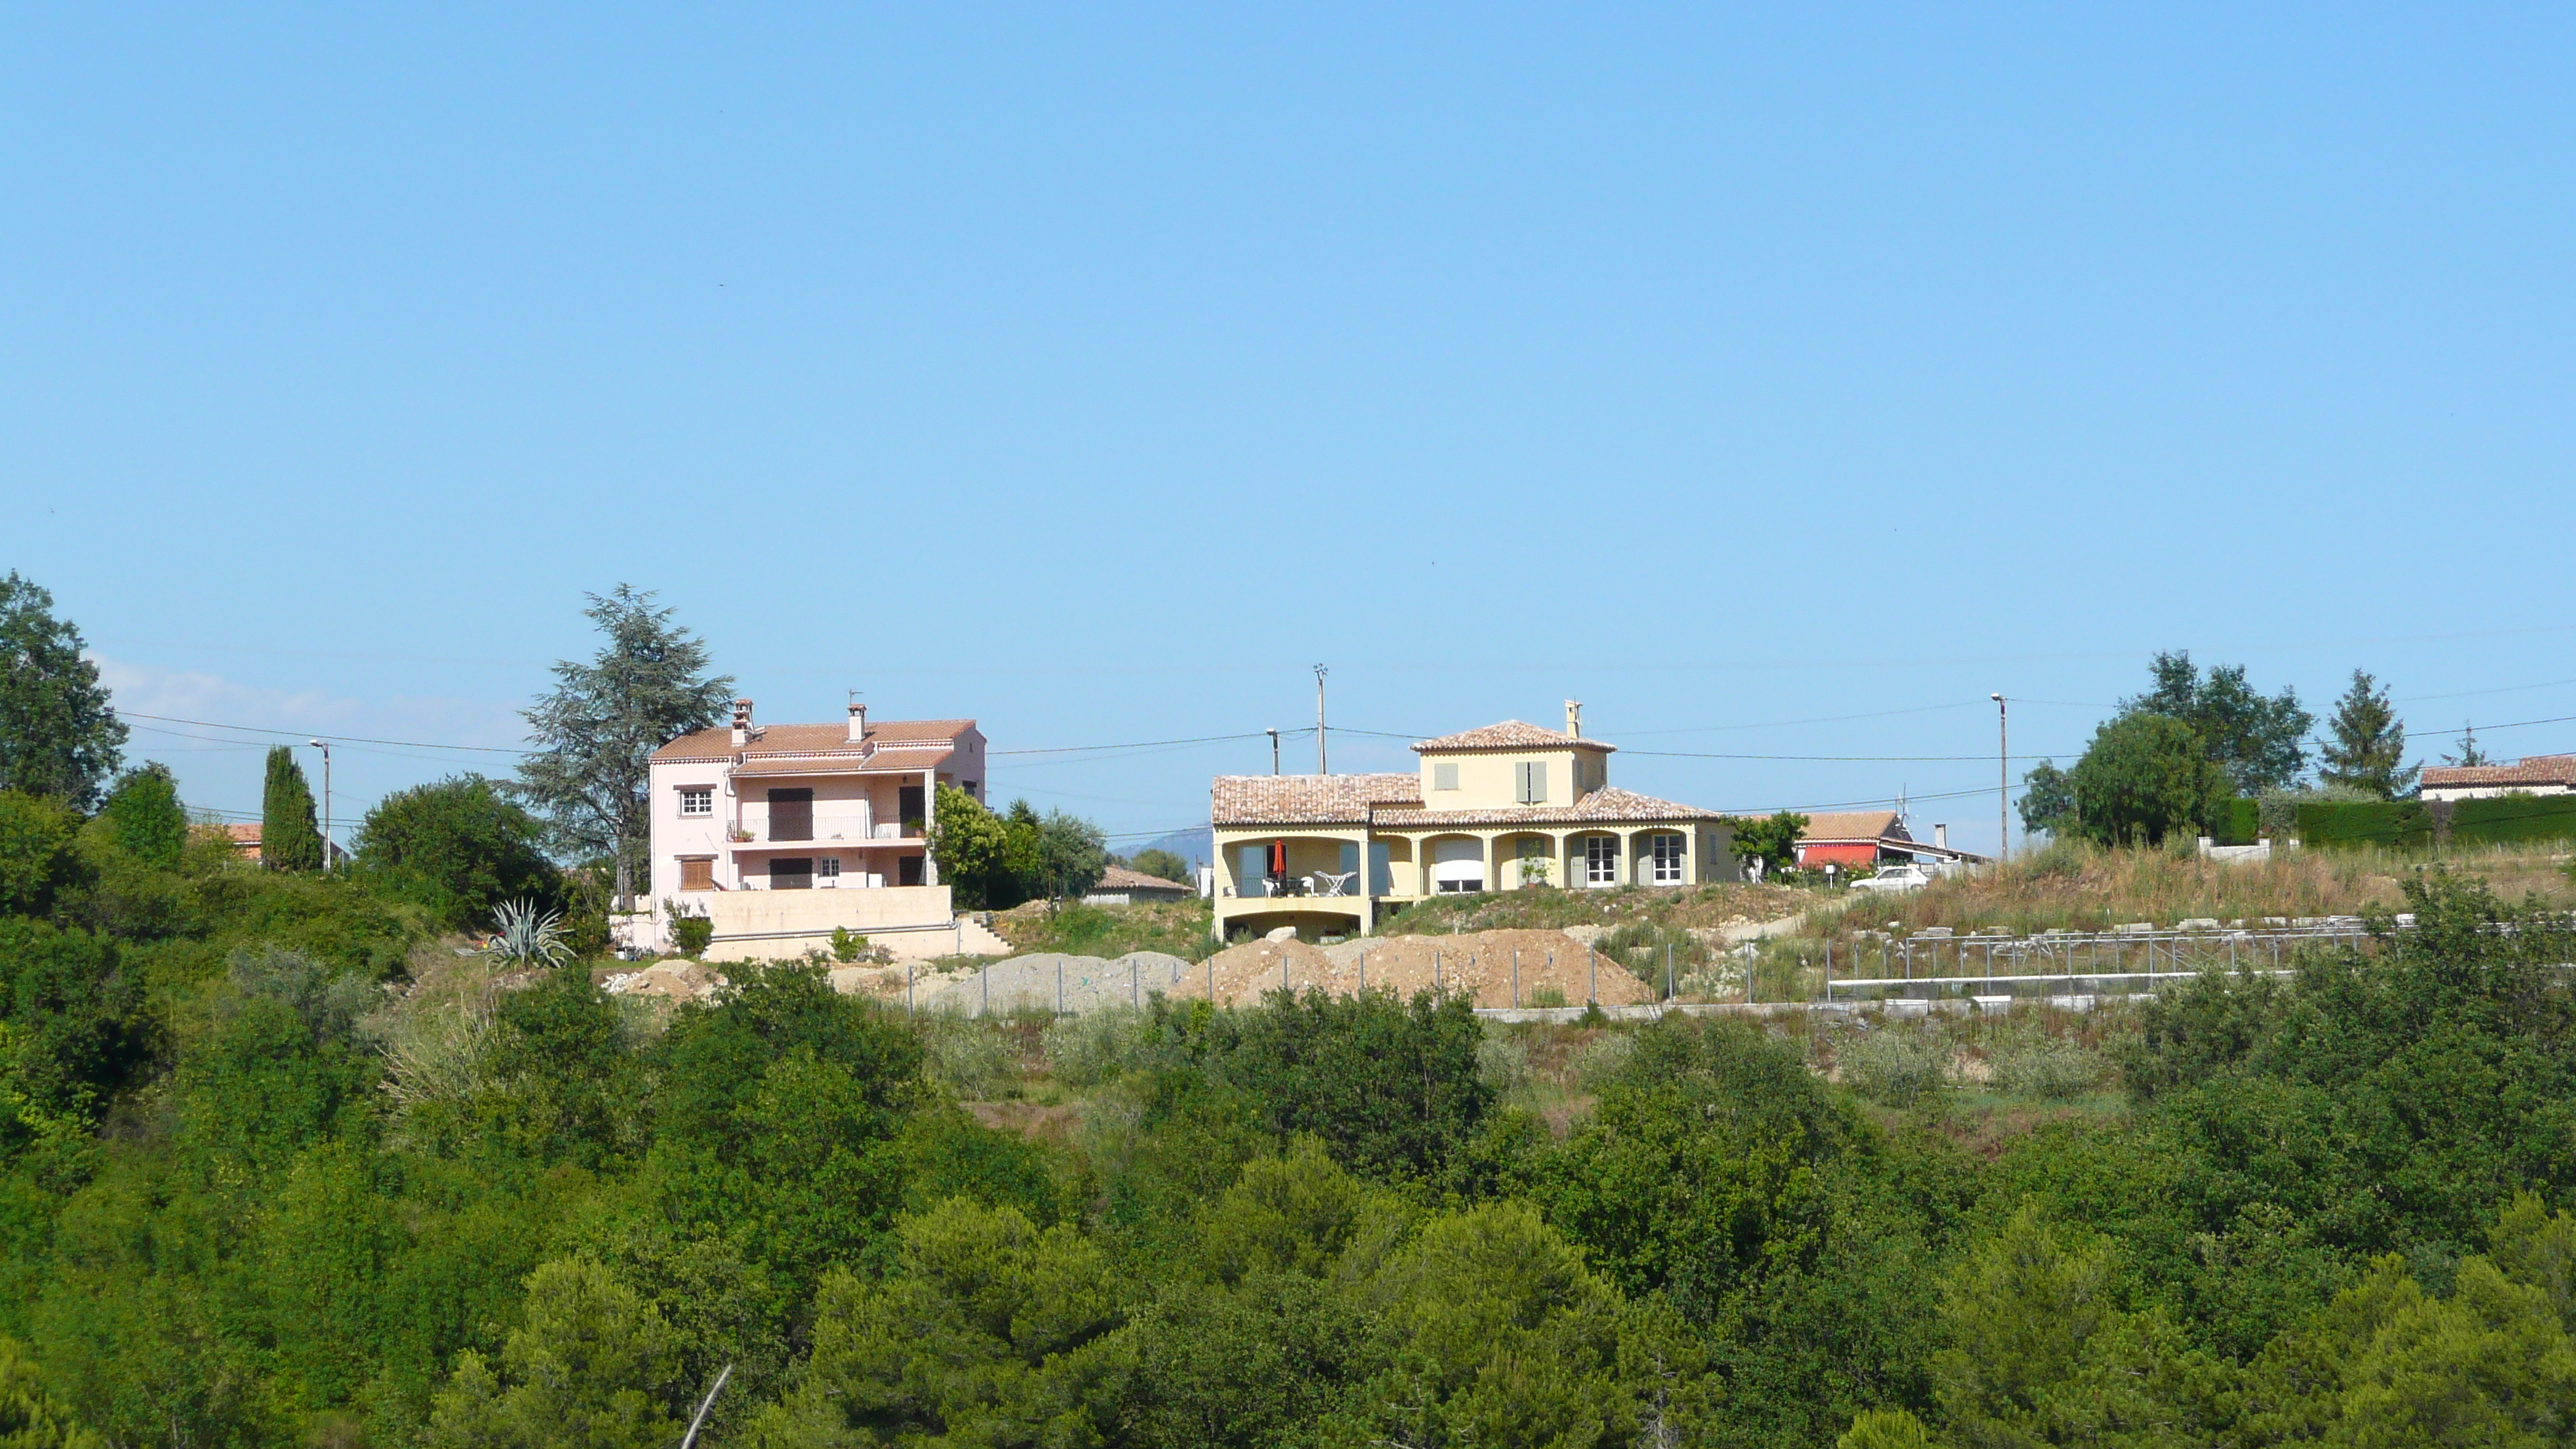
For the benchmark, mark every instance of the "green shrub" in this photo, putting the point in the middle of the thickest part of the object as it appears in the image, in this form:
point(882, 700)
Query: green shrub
point(1084, 1051)
point(2047, 1067)
point(2238, 821)
point(1502, 1063)
point(458, 848)
point(692, 934)
point(1601, 1059)
point(968, 1055)
point(1893, 1066)
point(35, 851)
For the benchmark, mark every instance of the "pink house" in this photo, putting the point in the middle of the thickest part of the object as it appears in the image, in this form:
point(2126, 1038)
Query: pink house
point(782, 834)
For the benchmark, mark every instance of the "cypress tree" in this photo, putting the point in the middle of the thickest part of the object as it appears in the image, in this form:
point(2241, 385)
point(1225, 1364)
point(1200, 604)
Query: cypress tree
point(290, 835)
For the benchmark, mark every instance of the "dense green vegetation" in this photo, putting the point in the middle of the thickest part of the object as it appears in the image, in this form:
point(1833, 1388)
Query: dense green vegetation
point(278, 1167)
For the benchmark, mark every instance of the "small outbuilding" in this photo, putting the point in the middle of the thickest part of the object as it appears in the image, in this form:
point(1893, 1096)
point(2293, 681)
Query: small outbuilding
point(1120, 886)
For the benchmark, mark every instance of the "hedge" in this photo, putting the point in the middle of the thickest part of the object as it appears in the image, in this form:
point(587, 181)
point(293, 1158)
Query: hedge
point(2239, 821)
point(2412, 822)
point(2515, 817)
point(2373, 822)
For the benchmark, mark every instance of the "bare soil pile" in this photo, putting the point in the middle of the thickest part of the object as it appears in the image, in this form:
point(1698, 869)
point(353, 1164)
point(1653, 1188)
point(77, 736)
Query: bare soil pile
point(1480, 964)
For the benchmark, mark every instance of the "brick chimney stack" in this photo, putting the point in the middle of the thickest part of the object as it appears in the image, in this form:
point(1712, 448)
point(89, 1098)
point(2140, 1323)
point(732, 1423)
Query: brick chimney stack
point(742, 721)
point(1574, 718)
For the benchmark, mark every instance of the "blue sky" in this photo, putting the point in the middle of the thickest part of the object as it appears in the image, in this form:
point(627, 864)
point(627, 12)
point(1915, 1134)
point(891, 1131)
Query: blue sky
point(1095, 374)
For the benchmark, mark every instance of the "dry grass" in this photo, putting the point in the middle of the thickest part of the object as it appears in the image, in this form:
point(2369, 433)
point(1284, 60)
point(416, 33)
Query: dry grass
point(1178, 928)
point(2082, 887)
point(1667, 907)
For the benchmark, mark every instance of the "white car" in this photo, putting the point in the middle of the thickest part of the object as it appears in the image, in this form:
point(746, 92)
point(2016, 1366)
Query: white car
point(1895, 880)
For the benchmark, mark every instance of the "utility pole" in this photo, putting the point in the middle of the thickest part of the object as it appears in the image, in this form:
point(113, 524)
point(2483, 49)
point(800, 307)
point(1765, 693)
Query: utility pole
point(2003, 781)
point(1321, 768)
point(1274, 752)
point(326, 801)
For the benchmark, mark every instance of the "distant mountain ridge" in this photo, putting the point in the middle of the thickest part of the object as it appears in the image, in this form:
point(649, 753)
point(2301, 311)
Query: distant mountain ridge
point(1197, 846)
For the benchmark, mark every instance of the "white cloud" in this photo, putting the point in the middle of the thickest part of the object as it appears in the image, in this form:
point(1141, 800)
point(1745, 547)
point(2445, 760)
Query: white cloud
point(187, 694)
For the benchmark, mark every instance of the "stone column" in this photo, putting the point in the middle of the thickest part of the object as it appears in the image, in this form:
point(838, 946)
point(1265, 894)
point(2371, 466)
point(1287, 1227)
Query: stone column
point(929, 818)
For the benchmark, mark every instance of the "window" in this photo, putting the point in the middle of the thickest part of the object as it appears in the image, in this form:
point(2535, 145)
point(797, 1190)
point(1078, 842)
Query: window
point(1529, 782)
point(791, 814)
point(698, 800)
point(698, 873)
point(1670, 852)
point(1444, 777)
point(827, 871)
point(792, 874)
point(1601, 860)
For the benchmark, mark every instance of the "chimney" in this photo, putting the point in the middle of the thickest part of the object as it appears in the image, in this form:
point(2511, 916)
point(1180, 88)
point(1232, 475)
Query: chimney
point(1574, 718)
point(1941, 836)
point(858, 720)
point(742, 721)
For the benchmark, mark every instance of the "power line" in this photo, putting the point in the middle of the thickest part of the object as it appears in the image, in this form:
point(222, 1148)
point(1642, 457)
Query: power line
point(1822, 759)
point(319, 735)
point(1151, 744)
point(1834, 759)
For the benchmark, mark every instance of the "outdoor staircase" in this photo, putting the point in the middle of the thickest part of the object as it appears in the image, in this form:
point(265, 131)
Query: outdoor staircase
point(974, 938)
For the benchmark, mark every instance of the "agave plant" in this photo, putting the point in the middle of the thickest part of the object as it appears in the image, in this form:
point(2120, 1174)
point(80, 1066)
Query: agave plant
point(524, 938)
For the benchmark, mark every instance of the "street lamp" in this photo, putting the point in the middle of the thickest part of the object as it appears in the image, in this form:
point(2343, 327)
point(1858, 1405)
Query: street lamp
point(2003, 781)
point(326, 801)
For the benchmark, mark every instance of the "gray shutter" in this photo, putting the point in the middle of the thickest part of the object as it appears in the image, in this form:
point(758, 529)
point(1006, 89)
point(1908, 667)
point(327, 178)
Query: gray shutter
point(1538, 783)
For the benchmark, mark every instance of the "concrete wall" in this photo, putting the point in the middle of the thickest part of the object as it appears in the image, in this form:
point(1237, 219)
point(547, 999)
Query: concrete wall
point(913, 921)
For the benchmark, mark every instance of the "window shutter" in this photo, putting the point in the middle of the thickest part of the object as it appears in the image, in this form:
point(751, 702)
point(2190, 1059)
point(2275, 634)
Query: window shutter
point(1538, 783)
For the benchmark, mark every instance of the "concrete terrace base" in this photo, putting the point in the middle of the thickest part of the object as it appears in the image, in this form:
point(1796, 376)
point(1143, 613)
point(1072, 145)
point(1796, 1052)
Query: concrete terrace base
point(1900, 1008)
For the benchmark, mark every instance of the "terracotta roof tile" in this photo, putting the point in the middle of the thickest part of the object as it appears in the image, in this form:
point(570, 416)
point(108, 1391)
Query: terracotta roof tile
point(1853, 825)
point(1511, 734)
point(883, 762)
point(1606, 806)
point(717, 743)
point(2529, 770)
point(1120, 878)
point(1306, 799)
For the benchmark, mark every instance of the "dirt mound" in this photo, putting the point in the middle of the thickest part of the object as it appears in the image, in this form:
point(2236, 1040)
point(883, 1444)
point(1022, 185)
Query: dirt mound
point(1480, 963)
point(672, 980)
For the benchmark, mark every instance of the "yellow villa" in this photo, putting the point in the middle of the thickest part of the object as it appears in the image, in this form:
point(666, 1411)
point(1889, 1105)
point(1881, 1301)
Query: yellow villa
point(1500, 808)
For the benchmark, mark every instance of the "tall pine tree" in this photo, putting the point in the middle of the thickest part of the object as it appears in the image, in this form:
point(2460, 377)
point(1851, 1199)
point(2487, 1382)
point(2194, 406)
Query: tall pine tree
point(2369, 742)
point(2469, 753)
point(290, 837)
point(596, 733)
